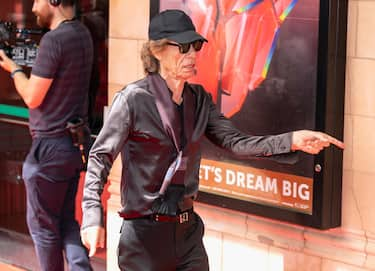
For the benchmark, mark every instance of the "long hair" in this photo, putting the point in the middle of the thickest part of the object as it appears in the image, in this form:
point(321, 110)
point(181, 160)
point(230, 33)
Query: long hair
point(150, 62)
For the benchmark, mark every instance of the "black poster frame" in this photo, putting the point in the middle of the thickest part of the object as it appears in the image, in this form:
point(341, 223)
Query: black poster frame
point(330, 94)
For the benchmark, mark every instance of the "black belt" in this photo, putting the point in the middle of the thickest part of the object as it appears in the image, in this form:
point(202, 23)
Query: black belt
point(180, 218)
point(62, 133)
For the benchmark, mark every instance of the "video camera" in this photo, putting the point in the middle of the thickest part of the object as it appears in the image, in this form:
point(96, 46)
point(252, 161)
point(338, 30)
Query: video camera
point(17, 43)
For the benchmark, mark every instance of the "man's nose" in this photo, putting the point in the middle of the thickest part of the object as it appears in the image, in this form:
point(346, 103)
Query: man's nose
point(192, 51)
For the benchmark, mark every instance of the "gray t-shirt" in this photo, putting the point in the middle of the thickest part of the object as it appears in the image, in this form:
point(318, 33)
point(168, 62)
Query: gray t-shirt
point(66, 56)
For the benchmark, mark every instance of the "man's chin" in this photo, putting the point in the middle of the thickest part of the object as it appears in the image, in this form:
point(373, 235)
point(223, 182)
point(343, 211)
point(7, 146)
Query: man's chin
point(38, 22)
point(41, 23)
point(189, 74)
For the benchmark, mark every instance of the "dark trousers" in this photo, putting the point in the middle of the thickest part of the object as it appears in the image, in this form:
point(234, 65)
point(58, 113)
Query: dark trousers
point(51, 174)
point(162, 246)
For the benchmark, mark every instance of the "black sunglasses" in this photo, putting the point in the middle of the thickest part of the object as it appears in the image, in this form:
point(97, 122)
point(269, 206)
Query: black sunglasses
point(185, 47)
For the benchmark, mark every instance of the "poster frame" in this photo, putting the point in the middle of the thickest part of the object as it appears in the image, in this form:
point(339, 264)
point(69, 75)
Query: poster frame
point(329, 117)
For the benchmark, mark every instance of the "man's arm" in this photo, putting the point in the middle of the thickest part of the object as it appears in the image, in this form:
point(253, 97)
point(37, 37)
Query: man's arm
point(104, 151)
point(32, 90)
point(221, 132)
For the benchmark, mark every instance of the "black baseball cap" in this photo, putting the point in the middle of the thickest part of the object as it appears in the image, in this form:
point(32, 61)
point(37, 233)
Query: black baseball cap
point(175, 25)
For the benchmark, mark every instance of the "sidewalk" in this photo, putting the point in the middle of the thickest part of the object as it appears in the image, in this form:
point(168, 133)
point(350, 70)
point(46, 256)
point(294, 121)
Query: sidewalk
point(7, 267)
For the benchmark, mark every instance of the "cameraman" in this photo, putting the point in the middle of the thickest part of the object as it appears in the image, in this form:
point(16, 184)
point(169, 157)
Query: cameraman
point(56, 94)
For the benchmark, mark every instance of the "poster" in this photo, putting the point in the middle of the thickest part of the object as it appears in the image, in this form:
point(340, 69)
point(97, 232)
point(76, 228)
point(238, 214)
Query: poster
point(260, 66)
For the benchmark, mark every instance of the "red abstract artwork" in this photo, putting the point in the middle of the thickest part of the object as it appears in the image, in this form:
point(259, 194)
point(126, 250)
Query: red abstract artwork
point(242, 36)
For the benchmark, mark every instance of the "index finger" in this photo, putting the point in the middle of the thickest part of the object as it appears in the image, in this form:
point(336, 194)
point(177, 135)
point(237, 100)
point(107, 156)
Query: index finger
point(332, 140)
point(336, 142)
point(92, 250)
point(85, 240)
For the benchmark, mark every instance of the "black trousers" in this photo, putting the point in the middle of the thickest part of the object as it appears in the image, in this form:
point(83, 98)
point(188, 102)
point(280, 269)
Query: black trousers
point(162, 246)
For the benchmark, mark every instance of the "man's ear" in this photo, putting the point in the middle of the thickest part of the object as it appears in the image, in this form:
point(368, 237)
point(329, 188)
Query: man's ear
point(157, 54)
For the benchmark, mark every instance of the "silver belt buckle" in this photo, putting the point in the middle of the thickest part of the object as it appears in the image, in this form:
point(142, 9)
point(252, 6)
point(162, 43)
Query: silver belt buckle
point(184, 217)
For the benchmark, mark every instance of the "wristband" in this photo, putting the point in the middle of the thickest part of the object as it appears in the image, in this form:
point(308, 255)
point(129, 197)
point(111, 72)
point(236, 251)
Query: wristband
point(15, 71)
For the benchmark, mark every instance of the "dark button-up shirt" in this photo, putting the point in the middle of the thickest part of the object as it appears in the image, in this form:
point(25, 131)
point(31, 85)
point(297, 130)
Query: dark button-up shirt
point(134, 128)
